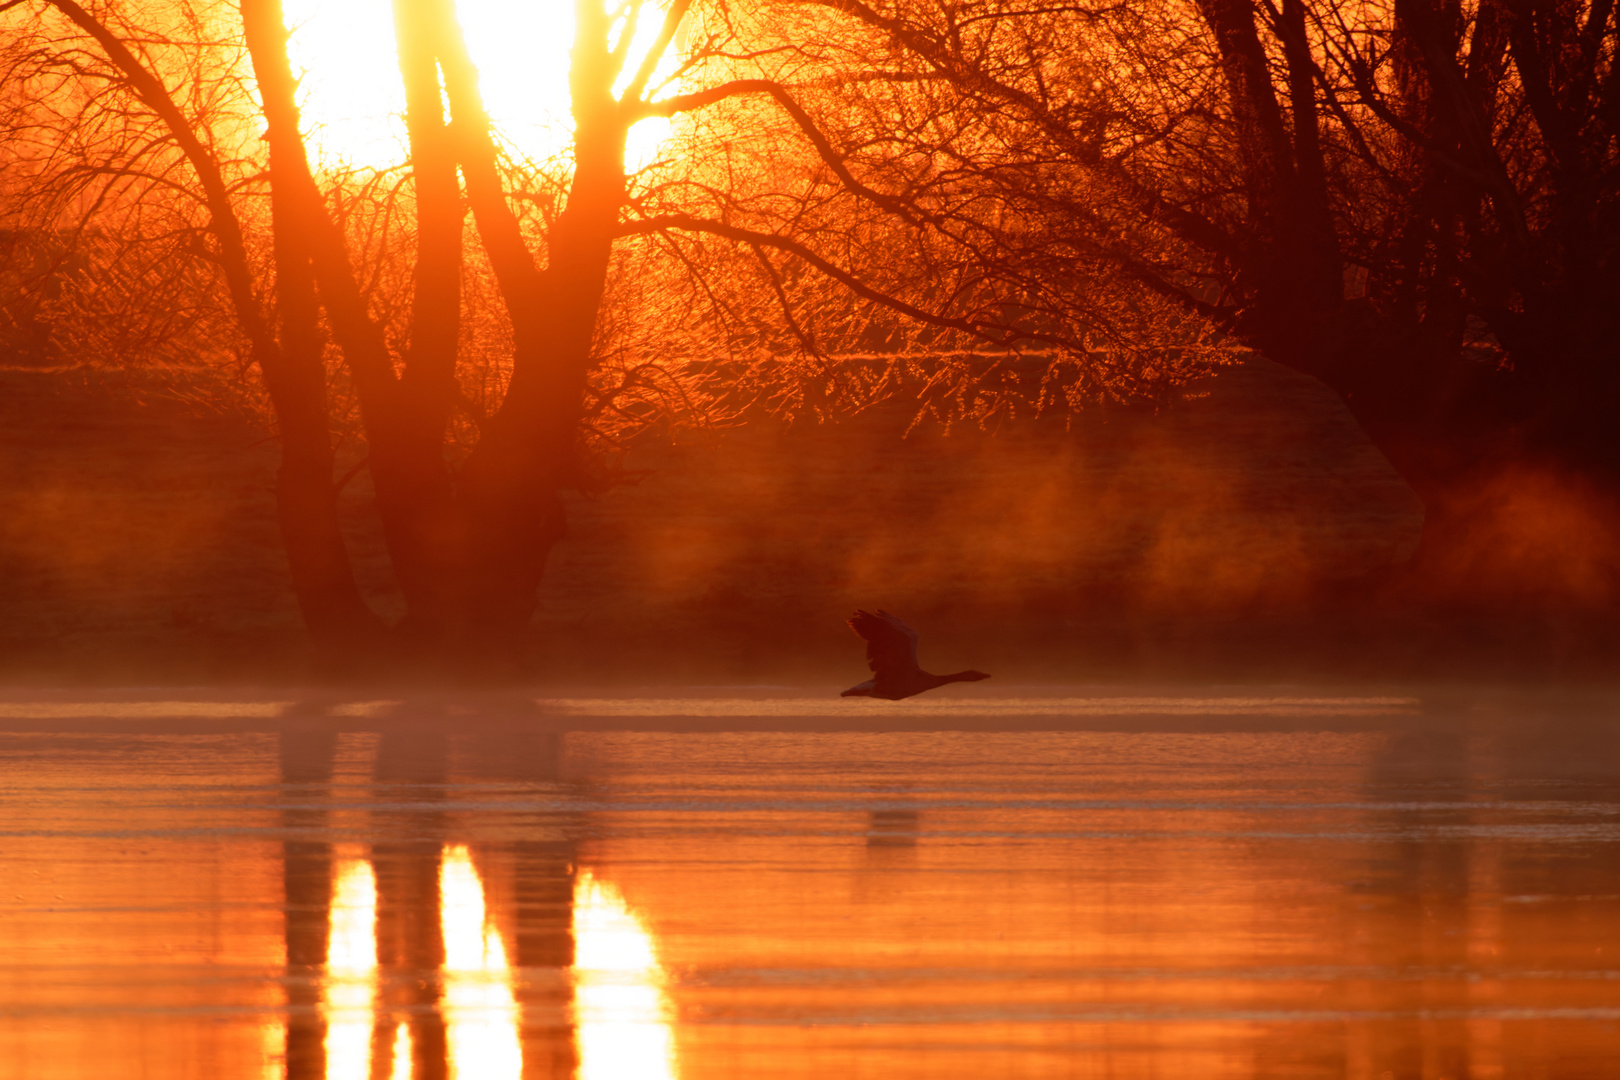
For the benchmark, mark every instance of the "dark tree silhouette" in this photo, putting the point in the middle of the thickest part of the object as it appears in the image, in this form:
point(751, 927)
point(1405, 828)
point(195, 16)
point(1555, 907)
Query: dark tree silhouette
point(1414, 202)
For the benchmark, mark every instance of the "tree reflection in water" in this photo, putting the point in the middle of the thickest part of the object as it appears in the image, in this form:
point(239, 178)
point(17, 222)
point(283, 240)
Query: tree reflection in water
point(408, 960)
point(306, 859)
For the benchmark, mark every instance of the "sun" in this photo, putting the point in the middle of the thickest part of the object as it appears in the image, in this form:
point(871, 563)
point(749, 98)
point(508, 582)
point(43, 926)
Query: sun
point(342, 52)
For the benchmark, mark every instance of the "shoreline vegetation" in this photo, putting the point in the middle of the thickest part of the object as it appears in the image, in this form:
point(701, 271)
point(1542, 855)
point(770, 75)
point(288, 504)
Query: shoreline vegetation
point(1247, 532)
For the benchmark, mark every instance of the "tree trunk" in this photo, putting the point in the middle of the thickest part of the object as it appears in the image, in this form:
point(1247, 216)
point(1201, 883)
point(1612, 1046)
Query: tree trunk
point(406, 460)
point(509, 486)
point(293, 371)
point(415, 495)
point(343, 626)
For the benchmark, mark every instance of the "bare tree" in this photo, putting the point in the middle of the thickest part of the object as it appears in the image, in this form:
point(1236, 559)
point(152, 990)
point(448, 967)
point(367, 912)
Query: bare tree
point(132, 159)
point(1414, 202)
point(750, 262)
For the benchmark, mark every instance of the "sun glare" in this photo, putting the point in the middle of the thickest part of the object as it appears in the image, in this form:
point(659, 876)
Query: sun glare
point(480, 1011)
point(620, 1006)
point(351, 971)
point(403, 1051)
point(353, 104)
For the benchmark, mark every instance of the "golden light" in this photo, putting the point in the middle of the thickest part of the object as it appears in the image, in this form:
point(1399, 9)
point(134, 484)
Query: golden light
point(273, 1049)
point(621, 1011)
point(480, 1010)
point(352, 102)
point(349, 992)
point(402, 1054)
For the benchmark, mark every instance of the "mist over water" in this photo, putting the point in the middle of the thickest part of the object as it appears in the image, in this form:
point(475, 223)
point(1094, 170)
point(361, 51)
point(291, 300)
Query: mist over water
point(1215, 503)
point(150, 533)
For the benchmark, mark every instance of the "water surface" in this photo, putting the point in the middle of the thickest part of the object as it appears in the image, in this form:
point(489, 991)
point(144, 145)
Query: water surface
point(726, 883)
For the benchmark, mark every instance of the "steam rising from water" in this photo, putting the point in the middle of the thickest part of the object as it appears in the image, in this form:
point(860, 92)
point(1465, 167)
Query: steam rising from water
point(756, 707)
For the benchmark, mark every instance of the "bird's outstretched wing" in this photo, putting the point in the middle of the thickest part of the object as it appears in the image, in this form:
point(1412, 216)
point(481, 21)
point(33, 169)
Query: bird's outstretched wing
point(891, 645)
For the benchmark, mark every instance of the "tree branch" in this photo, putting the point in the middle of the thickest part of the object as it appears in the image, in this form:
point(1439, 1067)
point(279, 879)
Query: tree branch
point(779, 93)
point(996, 333)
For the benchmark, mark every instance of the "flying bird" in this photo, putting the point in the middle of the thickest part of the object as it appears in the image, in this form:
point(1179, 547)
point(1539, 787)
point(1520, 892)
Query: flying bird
point(891, 653)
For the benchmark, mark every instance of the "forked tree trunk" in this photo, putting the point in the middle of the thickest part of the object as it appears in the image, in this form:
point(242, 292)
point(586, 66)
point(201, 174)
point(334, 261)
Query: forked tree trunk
point(469, 551)
point(344, 628)
point(415, 494)
point(404, 416)
point(509, 485)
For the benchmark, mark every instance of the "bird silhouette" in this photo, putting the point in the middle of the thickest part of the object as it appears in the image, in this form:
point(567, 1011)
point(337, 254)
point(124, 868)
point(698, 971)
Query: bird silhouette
point(891, 653)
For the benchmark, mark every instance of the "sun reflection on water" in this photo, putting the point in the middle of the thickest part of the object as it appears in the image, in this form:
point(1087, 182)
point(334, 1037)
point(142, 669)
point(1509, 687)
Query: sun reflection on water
point(621, 1010)
point(480, 1011)
point(402, 1053)
point(349, 992)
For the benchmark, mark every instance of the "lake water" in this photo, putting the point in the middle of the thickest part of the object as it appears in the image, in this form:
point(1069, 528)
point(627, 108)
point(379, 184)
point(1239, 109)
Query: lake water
point(754, 882)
